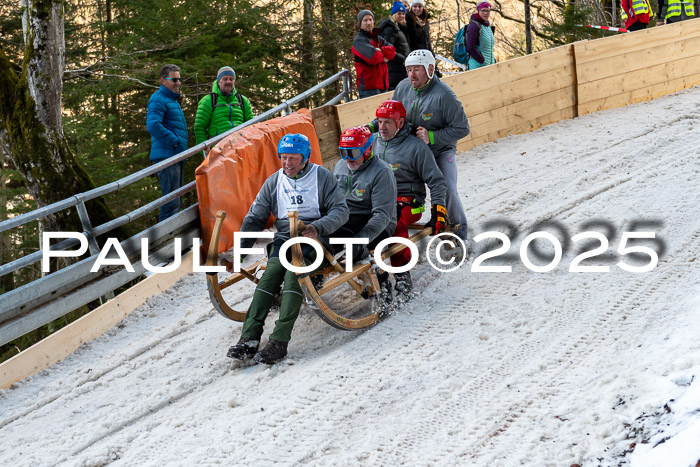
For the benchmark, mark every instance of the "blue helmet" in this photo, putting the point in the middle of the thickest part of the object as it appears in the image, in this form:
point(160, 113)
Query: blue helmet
point(295, 144)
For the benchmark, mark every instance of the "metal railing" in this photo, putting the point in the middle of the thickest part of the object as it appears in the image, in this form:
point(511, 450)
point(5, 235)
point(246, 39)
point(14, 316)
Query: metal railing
point(39, 302)
point(452, 62)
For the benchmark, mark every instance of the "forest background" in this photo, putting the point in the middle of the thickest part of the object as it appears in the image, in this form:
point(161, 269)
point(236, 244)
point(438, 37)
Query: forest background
point(115, 48)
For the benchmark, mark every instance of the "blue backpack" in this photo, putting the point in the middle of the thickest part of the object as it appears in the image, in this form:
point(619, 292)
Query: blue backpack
point(459, 48)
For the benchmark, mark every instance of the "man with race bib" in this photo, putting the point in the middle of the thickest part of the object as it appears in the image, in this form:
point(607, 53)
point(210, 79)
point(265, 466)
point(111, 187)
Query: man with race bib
point(313, 192)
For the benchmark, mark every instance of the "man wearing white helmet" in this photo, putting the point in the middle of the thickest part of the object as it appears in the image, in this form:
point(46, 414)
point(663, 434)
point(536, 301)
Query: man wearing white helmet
point(437, 118)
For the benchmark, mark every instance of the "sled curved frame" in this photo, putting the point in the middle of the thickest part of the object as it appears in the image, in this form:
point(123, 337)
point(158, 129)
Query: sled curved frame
point(321, 308)
point(364, 271)
point(215, 287)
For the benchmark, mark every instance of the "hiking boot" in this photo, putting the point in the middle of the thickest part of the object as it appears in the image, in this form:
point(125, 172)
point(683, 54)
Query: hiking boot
point(404, 284)
point(273, 352)
point(244, 349)
point(318, 281)
point(385, 284)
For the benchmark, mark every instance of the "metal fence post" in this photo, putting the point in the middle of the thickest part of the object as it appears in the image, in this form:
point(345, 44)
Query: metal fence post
point(92, 240)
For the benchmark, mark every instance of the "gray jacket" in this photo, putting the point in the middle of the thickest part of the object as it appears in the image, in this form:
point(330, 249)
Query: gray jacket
point(435, 108)
point(334, 211)
point(414, 166)
point(371, 189)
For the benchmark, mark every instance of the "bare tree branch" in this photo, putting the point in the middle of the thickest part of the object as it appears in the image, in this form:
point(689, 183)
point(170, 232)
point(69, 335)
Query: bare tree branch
point(80, 74)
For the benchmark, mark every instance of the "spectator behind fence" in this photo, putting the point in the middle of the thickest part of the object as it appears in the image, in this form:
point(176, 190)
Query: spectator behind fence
point(636, 14)
point(224, 108)
point(166, 124)
point(480, 38)
point(395, 31)
point(418, 22)
point(673, 11)
point(371, 53)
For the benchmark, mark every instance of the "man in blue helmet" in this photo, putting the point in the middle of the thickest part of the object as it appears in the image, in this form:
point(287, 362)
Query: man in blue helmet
point(313, 192)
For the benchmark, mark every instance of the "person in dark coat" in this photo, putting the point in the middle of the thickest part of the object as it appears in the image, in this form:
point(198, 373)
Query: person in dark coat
point(395, 31)
point(418, 22)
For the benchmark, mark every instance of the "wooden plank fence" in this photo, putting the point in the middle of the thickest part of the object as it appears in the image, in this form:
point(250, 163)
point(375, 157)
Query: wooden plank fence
point(526, 93)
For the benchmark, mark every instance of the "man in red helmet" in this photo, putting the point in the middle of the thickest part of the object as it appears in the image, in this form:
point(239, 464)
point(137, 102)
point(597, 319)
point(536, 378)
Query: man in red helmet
point(370, 193)
point(414, 166)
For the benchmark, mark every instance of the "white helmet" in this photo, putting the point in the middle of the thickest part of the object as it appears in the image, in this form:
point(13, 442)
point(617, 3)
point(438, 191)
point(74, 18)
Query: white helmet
point(421, 57)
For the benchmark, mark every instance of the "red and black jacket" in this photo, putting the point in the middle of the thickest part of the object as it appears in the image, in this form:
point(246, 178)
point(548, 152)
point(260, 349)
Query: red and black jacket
point(371, 69)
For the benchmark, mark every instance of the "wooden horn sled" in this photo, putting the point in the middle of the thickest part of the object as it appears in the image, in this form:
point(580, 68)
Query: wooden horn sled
point(346, 300)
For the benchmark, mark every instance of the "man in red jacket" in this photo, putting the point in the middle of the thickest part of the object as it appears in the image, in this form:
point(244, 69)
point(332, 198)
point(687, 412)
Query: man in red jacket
point(371, 53)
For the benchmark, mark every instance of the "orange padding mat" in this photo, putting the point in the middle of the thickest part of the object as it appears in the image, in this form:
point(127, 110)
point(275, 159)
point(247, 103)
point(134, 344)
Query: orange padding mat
point(236, 168)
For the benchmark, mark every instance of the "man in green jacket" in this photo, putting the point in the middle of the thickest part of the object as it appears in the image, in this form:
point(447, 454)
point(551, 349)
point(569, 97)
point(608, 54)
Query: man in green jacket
point(223, 109)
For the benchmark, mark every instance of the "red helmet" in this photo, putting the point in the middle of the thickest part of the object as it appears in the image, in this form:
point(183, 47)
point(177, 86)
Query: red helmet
point(391, 109)
point(356, 142)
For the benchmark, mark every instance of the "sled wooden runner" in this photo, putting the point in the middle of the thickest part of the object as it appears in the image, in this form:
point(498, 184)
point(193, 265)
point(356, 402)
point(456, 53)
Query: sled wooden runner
point(215, 287)
point(321, 308)
point(367, 289)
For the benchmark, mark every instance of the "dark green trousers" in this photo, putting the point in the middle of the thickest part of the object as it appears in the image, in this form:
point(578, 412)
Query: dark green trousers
point(292, 298)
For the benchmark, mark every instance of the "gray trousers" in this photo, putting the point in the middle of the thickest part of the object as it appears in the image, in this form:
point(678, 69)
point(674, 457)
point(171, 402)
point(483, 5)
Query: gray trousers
point(455, 211)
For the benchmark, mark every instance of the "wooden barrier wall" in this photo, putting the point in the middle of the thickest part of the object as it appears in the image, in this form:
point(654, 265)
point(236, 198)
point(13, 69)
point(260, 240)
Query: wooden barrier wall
point(523, 94)
point(636, 67)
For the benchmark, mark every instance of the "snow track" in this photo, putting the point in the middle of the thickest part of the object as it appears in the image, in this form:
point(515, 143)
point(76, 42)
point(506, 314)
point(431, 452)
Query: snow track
point(480, 369)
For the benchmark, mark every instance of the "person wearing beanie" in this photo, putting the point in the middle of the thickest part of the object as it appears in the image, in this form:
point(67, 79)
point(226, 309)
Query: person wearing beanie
point(362, 14)
point(224, 108)
point(395, 31)
point(480, 38)
point(371, 54)
point(418, 23)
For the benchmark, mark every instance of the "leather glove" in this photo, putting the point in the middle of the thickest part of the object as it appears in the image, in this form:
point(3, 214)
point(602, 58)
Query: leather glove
point(438, 219)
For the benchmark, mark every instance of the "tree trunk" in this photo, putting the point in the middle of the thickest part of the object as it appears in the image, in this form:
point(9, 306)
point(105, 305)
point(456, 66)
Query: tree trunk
point(30, 111)
point(6, 282)
point(328, 46)
point(528, 30)
point(308, 72)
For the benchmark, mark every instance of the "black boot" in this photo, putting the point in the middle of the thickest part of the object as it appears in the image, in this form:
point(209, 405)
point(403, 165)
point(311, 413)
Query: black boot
point(386, 287)
point(273, 352)
point(404, 284)
point(244, 349)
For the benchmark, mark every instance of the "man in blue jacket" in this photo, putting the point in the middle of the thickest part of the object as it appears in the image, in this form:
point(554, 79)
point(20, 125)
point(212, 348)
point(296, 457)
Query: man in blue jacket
point(166, 123)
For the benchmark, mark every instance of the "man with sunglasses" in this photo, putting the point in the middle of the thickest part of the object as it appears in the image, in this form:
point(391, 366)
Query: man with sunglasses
point(414, 166)
point(313, 192)
point(166, 124)
point(370, 193)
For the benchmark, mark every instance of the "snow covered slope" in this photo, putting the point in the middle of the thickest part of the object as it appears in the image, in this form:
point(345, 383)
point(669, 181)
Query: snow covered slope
point(529, 368)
